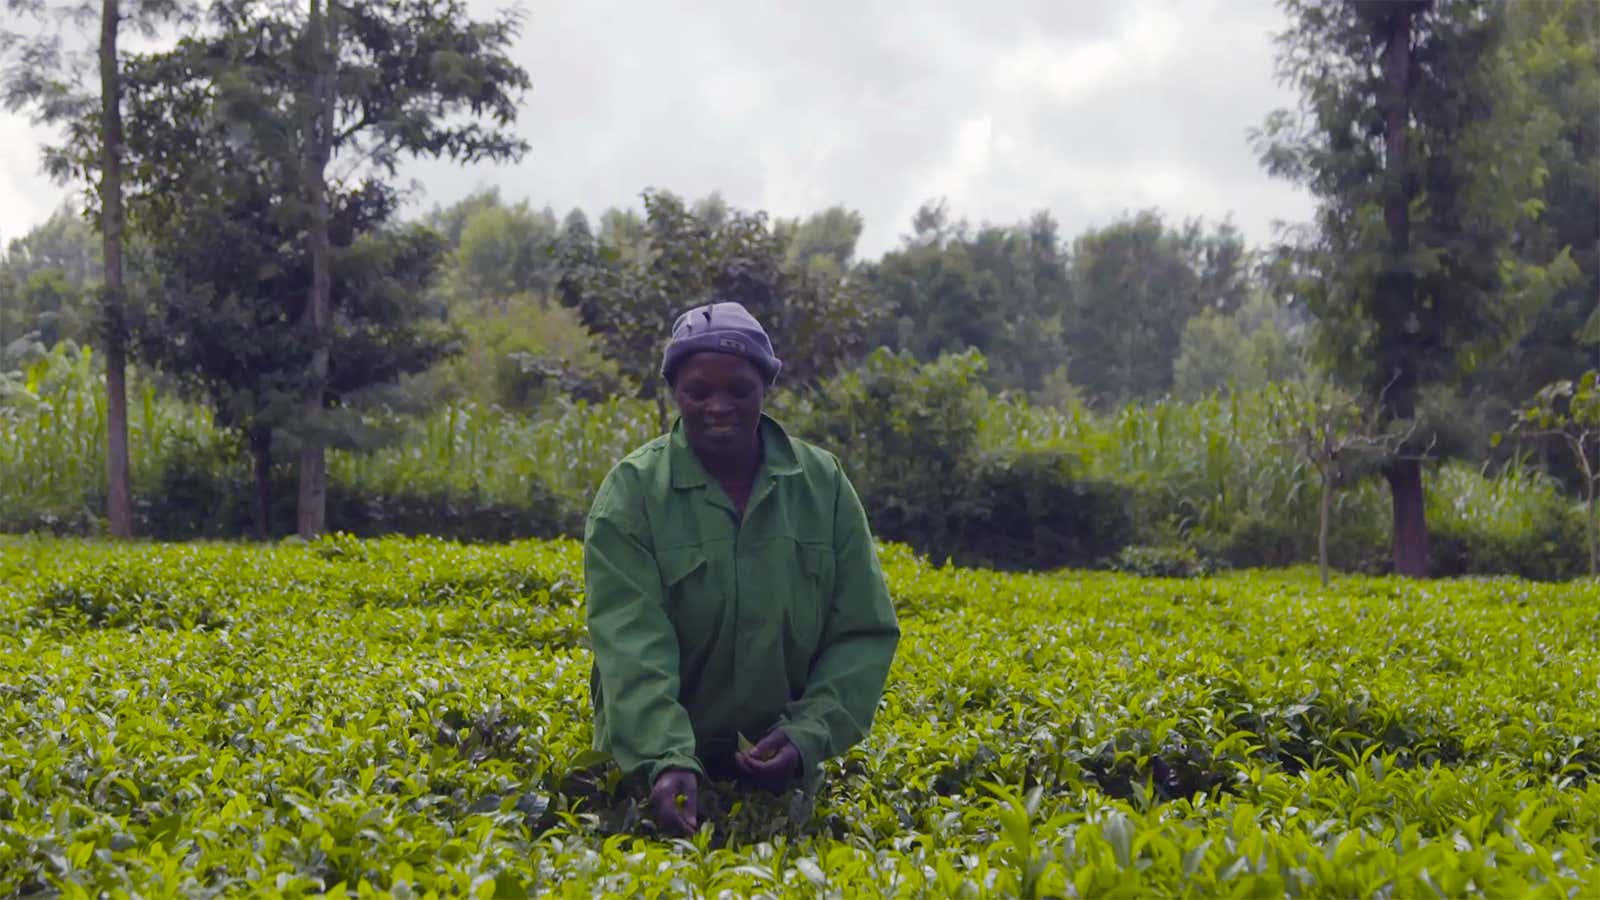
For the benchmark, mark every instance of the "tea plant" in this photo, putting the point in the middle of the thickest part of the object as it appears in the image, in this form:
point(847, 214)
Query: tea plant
point(409, 717)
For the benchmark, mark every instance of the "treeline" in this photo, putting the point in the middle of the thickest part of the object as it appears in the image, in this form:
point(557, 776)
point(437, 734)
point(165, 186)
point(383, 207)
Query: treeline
point(1451, 273)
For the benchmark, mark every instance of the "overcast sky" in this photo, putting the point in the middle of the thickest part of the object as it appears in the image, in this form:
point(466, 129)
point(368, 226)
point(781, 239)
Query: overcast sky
point(1086, 108)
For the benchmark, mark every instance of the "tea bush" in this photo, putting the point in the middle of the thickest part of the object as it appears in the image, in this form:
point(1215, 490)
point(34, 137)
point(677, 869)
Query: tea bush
point(362, 717)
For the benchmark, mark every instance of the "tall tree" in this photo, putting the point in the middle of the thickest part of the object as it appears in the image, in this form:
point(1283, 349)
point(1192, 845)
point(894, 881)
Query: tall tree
point(827, 238)
point(1002, 290)
point(365, 84)
point(1135, 283)
point(49, 281)
point(219, 226)
point(1416, 137)
point(505, 253)
point(1556, 48)
point(44, 80)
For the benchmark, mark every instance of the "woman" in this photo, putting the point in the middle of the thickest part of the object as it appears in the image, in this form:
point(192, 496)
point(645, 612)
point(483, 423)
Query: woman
point(732, 587)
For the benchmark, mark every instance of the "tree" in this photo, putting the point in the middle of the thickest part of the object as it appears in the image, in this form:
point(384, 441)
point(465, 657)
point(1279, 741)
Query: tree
point(1001, 290)
point(223, 318)
point(825, 239)
point(64, 242)
point(1556, 48)
point(1329, 429)
point(1135, 283)
point(1254, 346)
point(936, 299)
point(1418, 140)
point(365, 84)
point(43, 81)
point(450, 221)
point(221, 145)
point(504, 254)
point(629, 295)
point(48, 306)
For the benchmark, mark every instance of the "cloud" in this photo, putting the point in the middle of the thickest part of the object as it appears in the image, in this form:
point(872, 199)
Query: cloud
point(1086, 109)
point(27, 197)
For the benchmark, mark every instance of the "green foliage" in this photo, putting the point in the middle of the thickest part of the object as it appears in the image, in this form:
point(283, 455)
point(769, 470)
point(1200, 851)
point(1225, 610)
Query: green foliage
point(1248, 349)
point(389, 717)
point(48, 282)
point(825, 241)
point(1414, 270)
point(1565, 406)
point(461, 470)
point(1516, 523)
point(528, 356)
point(938, 461)
point(52, 441)
point(503, 252)
point(1036, 509)
point(1555, 47)
point(198, 498)
point(1570, 411)
point(1001, 291)
point(502, 456)
point(1135, 285)
point(630, 287)
point(1172, 561)
point(908, 435)
point(1210, 474)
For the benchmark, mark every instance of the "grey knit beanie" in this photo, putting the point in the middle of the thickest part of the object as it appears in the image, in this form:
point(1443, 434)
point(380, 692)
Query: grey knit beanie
point(725, 327)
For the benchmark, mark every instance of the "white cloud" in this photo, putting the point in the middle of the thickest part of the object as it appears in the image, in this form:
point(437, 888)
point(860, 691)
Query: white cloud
point(27, 197)
point(1085, 108)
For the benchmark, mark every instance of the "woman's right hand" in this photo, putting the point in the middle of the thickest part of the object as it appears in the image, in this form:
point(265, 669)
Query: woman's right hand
point(673, 802)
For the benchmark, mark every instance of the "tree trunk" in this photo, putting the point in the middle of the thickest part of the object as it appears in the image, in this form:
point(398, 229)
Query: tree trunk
point(1395, 289)
point(313, 497)
point(1323, 516)
point(1410, 523)
point(261, 454)
point(119, 505)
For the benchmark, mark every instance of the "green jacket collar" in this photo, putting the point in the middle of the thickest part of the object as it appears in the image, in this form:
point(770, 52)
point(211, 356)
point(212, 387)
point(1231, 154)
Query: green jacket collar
point(777, 455)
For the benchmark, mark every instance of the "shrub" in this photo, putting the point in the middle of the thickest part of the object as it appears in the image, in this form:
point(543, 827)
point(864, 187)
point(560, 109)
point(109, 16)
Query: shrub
point(198, 496)
point(907, 434)
point(199, 493)
point(1166, 561)
point(1029, 510)
point(1515, 523)
point(1268, 536)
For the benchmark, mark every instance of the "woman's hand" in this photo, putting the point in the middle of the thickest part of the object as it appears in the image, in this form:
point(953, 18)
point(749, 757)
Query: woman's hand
point(772, 762)
point(674, 801)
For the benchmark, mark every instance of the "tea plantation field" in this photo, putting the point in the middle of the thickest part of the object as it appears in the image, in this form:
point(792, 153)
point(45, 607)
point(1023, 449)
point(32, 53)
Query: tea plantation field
point(410, 717)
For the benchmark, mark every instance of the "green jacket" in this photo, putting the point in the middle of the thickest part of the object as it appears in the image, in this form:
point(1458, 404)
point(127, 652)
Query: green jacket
point(705, 627)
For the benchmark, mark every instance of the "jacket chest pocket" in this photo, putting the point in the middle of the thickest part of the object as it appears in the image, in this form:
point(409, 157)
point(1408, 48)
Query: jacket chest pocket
point(694, 604)
point(812, 593)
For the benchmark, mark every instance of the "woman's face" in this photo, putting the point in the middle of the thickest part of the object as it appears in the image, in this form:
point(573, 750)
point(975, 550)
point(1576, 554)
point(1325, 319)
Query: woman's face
point(719, 396)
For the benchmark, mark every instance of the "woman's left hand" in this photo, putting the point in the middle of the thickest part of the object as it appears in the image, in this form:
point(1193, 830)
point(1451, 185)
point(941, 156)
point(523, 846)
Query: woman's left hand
point(774, 759)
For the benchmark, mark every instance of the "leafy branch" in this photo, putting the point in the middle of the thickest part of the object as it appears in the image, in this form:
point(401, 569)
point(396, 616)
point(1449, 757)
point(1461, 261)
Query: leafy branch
point(1336, 433)
point(1570, 410)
